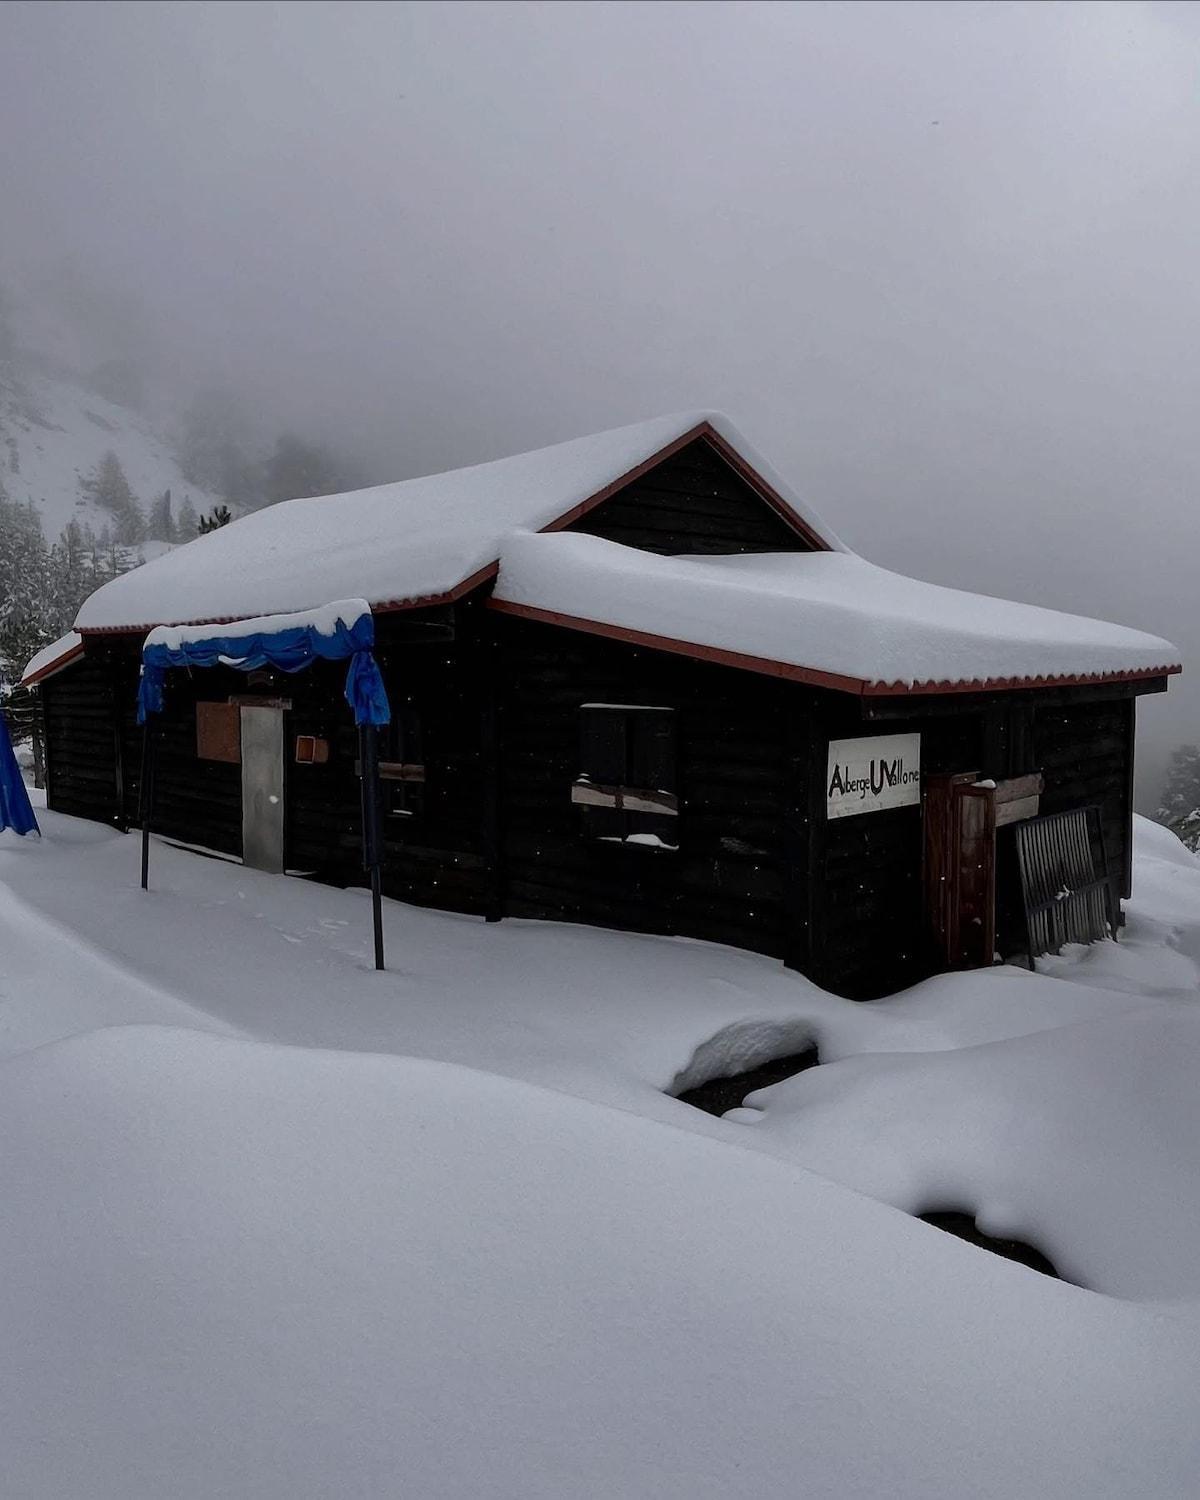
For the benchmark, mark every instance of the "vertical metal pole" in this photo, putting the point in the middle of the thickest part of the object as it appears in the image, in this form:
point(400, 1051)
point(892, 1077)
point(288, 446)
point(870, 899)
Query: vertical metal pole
point(368, 742)
point(146, 798)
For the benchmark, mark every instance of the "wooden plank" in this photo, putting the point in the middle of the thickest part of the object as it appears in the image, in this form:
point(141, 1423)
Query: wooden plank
point(625, 799)
point(1018, 811)
point(219, 732)
point(1018, 788)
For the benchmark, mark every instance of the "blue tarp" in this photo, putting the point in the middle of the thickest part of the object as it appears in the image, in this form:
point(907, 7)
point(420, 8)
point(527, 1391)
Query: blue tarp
point(291, 649)
point(15, 808)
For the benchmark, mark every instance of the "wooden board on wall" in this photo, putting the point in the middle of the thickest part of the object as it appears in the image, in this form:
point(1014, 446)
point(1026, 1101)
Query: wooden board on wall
point(219, 732)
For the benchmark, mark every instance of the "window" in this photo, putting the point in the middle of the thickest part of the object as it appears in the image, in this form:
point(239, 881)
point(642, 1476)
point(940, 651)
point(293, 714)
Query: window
point(402, 763)
point(626, 786)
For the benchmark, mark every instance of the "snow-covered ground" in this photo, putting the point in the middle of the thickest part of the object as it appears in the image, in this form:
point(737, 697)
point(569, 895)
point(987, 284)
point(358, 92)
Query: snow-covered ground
point(278, 1225)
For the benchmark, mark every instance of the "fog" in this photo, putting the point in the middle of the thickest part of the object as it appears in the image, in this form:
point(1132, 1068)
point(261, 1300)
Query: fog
point(939, 262)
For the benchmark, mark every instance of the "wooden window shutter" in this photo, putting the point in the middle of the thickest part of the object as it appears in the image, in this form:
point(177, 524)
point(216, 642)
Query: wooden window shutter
point(650, 751)
point(602, 745)
point(602, 736)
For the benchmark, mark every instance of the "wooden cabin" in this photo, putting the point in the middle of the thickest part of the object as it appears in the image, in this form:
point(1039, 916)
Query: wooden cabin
point(635, 682)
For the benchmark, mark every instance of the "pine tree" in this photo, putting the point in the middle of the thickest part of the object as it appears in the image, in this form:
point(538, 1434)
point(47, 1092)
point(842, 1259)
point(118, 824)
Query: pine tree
point(1180, 809)
point(65, 568)
point(188, 524)
point(109, 488)
point(131, 526)
point(116, 557)
point(24, 589)
point(220, 517)
point(160, 525)
point(72, 575)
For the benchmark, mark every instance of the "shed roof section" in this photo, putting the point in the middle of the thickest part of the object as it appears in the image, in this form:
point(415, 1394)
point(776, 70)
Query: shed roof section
point(53, 658)
point(829, 618)
point(416, 542)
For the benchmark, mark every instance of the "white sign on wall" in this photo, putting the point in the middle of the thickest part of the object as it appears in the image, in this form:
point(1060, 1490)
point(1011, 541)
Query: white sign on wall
point(870, 775)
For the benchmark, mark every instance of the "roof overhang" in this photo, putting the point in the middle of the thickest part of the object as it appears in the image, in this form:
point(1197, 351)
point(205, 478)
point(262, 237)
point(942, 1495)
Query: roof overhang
point(791, 672)
point(72, 650)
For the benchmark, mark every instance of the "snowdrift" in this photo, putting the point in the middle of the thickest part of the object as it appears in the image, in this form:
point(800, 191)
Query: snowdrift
point(235, 1268)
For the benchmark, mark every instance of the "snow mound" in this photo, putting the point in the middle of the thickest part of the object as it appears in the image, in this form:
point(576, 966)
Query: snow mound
point(1153, 841)
point(829, 613)
point(1079, 1140)
point(235, 1268)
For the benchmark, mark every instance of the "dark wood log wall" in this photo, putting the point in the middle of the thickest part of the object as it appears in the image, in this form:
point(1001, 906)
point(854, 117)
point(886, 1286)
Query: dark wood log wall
point(868, 902)
point(1085, 751)
point(692, 502)
point(435, 858)
point(95, 748)
point(726, 881)
point(195, 801)
point(82, 738)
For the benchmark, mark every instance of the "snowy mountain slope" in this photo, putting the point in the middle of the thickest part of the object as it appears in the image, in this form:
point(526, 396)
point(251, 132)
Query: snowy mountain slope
point(53, 432)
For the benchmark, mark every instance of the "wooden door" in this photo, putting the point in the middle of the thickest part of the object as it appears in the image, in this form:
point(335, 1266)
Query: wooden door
point(960, 869)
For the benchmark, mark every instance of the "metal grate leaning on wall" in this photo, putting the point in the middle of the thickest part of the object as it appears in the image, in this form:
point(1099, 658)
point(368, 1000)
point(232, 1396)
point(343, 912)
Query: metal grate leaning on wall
point(1066, 899)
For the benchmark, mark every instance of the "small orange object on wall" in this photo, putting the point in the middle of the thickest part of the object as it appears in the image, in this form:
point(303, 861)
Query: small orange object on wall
point(311, 751)
point(219, 732)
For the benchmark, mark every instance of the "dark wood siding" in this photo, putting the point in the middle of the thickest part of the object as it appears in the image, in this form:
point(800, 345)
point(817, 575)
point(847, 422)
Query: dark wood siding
point(868, 919)
point(196, 801)
point(726, 881)
point(436, 857)
point(1085, 752)
point(82, 738)
point(692, 502)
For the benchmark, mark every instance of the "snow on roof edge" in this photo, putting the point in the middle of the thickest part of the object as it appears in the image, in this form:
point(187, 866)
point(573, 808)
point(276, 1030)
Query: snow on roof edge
point(52, 658)
point(830, 619)
point(861, 687)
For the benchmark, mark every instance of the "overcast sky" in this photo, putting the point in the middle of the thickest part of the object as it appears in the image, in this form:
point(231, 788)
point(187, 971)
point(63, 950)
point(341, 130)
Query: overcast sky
point(940, 262)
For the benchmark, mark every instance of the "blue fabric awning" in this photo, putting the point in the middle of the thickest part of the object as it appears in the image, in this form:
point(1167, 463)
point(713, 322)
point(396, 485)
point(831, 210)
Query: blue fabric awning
point(16, 810)
point(290, 642)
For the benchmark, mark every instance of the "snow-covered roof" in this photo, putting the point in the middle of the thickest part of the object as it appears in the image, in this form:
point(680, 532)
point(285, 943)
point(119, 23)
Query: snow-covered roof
point(53, 658)
point(825, 617)
point(416, 541)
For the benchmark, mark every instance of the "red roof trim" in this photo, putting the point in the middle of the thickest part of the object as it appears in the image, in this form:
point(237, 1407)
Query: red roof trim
point(1002, 684)
point(450, 596)
point(811, 675)
point(51, 667)
point(423, 601)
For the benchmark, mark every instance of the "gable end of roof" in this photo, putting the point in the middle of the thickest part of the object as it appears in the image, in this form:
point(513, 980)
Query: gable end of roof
point(702, 432)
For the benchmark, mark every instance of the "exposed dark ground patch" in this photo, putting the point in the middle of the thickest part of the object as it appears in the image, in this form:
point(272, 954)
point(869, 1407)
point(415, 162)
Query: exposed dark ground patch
point(953, 1221)
point(721, 1094)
